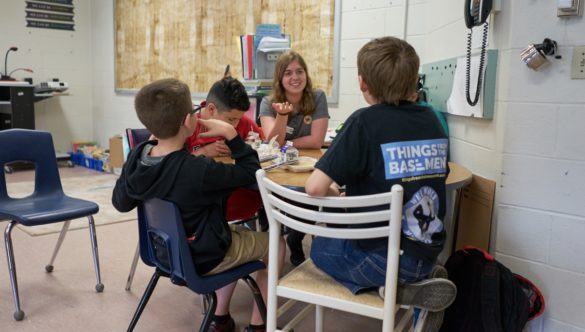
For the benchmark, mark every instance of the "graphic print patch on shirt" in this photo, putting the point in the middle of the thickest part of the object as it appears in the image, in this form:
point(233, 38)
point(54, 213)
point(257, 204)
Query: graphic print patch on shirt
point(419, 218)
point(414, 158)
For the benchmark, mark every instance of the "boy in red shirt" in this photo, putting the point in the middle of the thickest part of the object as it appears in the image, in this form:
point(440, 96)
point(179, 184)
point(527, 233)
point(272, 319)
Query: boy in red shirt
point(227, 101)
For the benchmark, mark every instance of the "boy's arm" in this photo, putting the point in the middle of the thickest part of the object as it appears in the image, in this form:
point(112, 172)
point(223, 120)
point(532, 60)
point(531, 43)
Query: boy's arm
point(120, 198)
point(220, 177)
point(320, 184)
point(214, 149)
point(218, 128)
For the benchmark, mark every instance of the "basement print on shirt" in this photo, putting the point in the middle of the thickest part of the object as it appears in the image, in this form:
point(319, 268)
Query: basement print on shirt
point(417, 160)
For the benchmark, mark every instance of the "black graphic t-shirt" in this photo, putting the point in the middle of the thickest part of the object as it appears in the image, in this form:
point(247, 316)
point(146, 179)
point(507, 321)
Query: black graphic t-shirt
point(383, 145)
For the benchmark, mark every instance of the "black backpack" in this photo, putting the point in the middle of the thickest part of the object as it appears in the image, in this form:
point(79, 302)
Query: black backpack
point(490, 297)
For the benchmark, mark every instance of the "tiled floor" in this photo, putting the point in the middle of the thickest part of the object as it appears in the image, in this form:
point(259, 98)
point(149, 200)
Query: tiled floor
point(65, 300)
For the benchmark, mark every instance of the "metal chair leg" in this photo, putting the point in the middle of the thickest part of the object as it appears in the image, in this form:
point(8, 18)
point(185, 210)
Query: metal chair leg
point(64, 229)
point(144, 299)
point(211, 300)
point(18, 313)
point(99, 287)
point(318, 318)
point(204, 304)
point(257, 296)
point(133, 267)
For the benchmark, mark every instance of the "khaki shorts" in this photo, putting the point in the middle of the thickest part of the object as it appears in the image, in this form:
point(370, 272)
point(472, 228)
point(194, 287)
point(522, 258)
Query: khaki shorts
point(246, 246)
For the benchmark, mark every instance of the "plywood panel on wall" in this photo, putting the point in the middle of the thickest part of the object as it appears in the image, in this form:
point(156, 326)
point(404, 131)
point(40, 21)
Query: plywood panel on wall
point(194, 40)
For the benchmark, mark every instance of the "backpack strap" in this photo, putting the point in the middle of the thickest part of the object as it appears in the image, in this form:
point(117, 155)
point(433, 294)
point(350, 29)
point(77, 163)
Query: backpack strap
point(490, 297)
point(490, 290)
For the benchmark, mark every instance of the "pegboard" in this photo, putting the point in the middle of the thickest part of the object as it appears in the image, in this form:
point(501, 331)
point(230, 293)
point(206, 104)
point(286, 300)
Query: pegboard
point(439, 77)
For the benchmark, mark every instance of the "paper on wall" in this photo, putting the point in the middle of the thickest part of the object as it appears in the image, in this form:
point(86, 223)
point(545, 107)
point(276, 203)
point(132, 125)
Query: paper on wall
point(457, 102)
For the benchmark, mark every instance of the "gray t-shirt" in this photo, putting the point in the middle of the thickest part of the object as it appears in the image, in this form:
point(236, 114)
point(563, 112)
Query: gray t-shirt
point(298, 125)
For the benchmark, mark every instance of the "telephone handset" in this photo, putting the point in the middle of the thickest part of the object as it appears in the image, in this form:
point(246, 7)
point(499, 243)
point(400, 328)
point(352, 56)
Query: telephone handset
point(476, 13)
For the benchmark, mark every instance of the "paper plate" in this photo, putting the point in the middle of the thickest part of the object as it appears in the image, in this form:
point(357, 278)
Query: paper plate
point(305, 164)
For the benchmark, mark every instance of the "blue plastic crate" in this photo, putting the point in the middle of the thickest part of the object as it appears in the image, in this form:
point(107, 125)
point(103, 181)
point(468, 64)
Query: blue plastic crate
point(78, 158)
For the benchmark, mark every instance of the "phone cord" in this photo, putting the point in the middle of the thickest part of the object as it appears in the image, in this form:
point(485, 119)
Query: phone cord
point(481, 64)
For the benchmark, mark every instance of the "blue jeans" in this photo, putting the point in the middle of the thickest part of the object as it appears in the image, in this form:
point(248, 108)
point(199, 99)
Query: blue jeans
point(358, 269)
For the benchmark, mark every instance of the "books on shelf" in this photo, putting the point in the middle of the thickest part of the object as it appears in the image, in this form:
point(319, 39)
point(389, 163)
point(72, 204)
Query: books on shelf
point(247, 49)
point(268, 38)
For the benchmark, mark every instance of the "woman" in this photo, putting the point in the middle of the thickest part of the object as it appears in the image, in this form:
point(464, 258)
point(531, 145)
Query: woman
point(294, 111)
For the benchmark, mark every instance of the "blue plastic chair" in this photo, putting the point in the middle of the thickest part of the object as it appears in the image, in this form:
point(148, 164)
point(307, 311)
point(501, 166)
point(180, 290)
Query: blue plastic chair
point(135, 136)
point(163, 244)
point(47, 204)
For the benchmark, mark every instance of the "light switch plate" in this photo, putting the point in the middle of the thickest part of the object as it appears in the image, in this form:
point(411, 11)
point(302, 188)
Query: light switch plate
point(578, 63)
point(574, 10)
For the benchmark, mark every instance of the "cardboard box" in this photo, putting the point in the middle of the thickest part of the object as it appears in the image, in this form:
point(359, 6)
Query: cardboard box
point(77, 145)
point(475, 213)
point(116, 152)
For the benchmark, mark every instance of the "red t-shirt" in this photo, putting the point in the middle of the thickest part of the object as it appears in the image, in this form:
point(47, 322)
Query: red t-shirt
point(243, 202)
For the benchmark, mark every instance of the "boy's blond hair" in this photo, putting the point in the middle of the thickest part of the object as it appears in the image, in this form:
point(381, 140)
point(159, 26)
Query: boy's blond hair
point(162, 106)
point(389, 67)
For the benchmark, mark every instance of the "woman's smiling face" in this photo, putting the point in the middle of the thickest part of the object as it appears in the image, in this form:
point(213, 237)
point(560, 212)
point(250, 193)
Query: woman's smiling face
point(294, 79)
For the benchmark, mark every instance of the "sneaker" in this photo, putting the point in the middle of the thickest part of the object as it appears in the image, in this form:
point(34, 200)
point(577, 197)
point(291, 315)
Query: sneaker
point(262, 220)
point(430, 294)
point(439, 271)
point(249, 328)
point(228, 325)
point(432, 321)
point(297, 255)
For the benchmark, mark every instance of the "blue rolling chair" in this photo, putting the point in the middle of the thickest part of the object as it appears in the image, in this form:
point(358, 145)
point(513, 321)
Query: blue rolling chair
point(163, 244)
point(47, 204)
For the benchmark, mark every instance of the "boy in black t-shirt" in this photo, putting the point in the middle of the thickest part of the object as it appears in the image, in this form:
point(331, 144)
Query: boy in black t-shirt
point(393, 141)
point(164, 168)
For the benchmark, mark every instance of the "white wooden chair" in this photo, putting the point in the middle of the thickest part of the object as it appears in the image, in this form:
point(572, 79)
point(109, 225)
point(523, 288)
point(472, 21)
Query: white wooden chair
point(306, 283)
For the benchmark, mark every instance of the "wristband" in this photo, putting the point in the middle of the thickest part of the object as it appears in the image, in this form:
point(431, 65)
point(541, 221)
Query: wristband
point(283, 114)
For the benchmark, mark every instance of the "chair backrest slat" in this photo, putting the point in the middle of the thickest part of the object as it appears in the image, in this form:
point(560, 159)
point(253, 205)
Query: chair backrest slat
point(339, 233)
point(346, 216)
point(332, 202)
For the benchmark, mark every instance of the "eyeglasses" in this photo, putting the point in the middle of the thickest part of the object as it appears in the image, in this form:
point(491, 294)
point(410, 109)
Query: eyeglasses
point(196, 109)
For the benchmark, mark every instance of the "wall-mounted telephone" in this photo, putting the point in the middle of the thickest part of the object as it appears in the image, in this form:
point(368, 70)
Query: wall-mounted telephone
point(476, 13)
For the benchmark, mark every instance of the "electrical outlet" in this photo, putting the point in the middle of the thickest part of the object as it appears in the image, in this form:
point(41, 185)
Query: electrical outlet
point(578, 64)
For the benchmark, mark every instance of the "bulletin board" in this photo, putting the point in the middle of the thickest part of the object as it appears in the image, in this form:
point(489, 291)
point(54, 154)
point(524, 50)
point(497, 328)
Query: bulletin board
point(194, 40)
point(444, 84)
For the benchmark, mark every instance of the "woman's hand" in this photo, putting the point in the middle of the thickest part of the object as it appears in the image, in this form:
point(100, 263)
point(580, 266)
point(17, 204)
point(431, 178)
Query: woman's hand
point(283, 108)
